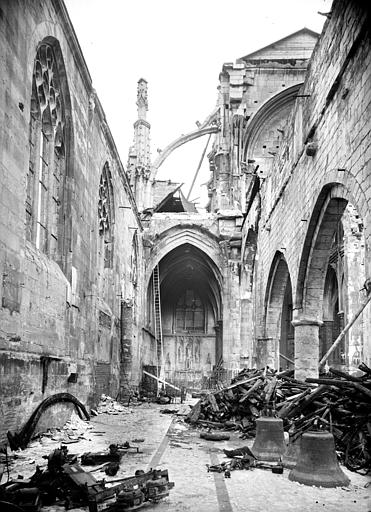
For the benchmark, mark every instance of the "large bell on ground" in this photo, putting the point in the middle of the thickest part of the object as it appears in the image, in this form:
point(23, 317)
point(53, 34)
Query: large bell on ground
point(317, 463)
point(269, 441)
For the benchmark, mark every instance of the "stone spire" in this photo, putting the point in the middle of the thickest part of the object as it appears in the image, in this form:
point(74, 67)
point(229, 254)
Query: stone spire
point(139, 162)
point(142, 98)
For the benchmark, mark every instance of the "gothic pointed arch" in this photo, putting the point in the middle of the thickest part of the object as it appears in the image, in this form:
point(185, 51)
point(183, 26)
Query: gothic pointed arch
point(189, 294)
point(333, 259)
point(106, 217)
point(277, 347)
point(265, 130)
point(323, 224)
point(47, 204)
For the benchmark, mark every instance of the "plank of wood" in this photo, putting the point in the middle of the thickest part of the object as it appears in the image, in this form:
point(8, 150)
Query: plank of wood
point(363, 389)
point(345, 375)
point(240, 383)
point(251, 390)
point(270, 389)
point(213, 403)
point(329, 382)
point(161, 380)
point(195, 413)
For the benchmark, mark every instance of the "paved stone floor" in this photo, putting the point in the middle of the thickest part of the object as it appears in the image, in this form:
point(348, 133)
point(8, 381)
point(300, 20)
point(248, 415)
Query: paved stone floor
point(171, 444)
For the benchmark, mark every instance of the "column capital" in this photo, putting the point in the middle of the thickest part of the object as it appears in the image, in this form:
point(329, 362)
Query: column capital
point(306, 320)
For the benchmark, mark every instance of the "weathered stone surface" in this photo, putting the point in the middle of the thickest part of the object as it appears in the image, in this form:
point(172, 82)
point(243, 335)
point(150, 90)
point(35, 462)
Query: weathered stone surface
point(275, 268)
point(69, 308)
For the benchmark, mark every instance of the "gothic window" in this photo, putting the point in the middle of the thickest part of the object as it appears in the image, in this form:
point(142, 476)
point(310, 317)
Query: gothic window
point(106, 216)
point(189, 313)
point(46, 172)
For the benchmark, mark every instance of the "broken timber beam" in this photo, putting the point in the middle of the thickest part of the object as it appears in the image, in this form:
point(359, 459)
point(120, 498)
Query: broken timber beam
point(213, 403)
point(161, 380)
point(287, 359)
point(345, 375)
point(240, 383)
point(338, 382)
point(246, 395)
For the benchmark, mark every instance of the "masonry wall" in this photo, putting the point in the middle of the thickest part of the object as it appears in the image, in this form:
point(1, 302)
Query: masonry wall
point(246, 88)
point(333, 118)
point(71, 317)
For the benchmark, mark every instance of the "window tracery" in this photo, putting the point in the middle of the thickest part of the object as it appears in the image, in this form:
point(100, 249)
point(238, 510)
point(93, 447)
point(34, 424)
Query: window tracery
point(189, 312)
point(106, 215)
point(46, 171)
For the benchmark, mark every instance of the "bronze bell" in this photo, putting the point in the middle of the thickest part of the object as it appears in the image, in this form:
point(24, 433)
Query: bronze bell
point(269, 441)
point(317, 463)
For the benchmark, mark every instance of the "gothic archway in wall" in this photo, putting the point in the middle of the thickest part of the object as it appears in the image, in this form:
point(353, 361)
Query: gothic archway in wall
point(330, 279)
point(277, 348)
point(190, 316)
point(48, 199)
point(264, 133)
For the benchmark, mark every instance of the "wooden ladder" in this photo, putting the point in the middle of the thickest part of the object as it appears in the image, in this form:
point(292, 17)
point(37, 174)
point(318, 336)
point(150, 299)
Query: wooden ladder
point(158, 325)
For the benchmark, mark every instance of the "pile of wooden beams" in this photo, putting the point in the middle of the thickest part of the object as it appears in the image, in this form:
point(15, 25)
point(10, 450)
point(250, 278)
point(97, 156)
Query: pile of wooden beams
point(338, 402)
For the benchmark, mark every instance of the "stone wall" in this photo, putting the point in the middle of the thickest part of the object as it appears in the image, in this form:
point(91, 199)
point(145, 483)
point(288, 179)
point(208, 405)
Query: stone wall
point(68, 309)
point(256, 95)
point(323, 164)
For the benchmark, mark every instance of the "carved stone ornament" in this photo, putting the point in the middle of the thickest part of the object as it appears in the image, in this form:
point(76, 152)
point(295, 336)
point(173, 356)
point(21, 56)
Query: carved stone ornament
point(105, 201)
point(142, 96)
point(47, 101)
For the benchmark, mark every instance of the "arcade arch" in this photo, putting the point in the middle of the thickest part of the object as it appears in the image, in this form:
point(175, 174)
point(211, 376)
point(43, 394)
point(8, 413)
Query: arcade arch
point(278, 347)
point(191, 316)
point(330, 281)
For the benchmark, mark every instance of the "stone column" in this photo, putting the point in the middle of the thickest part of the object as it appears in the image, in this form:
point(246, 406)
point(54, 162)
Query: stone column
point(126, 348)
point(218, 341)
point(306, 347)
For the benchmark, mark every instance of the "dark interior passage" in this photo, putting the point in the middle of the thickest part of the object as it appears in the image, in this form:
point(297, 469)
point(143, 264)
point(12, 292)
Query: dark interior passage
point(190, 312)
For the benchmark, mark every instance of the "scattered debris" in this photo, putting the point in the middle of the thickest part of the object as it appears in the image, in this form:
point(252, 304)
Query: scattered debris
point(67, 483)
point(340, 404)
point(111, 468)
point(214, 436)
point(94, 458)
point(244, 450)
point(22, 438)
point(244, 462)
point(108, 405)
point(114, 454)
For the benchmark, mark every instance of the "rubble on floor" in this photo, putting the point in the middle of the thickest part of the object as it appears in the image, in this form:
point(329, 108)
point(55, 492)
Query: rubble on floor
point(340, 404)
point(58, 478)
point(109, 405)
point(168, 442)
point(22, 438)
point(69, 485)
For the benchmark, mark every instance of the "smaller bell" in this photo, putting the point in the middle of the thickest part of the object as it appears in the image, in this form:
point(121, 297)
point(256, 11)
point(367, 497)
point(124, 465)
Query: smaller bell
point(317, 463)
point(269, 444)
